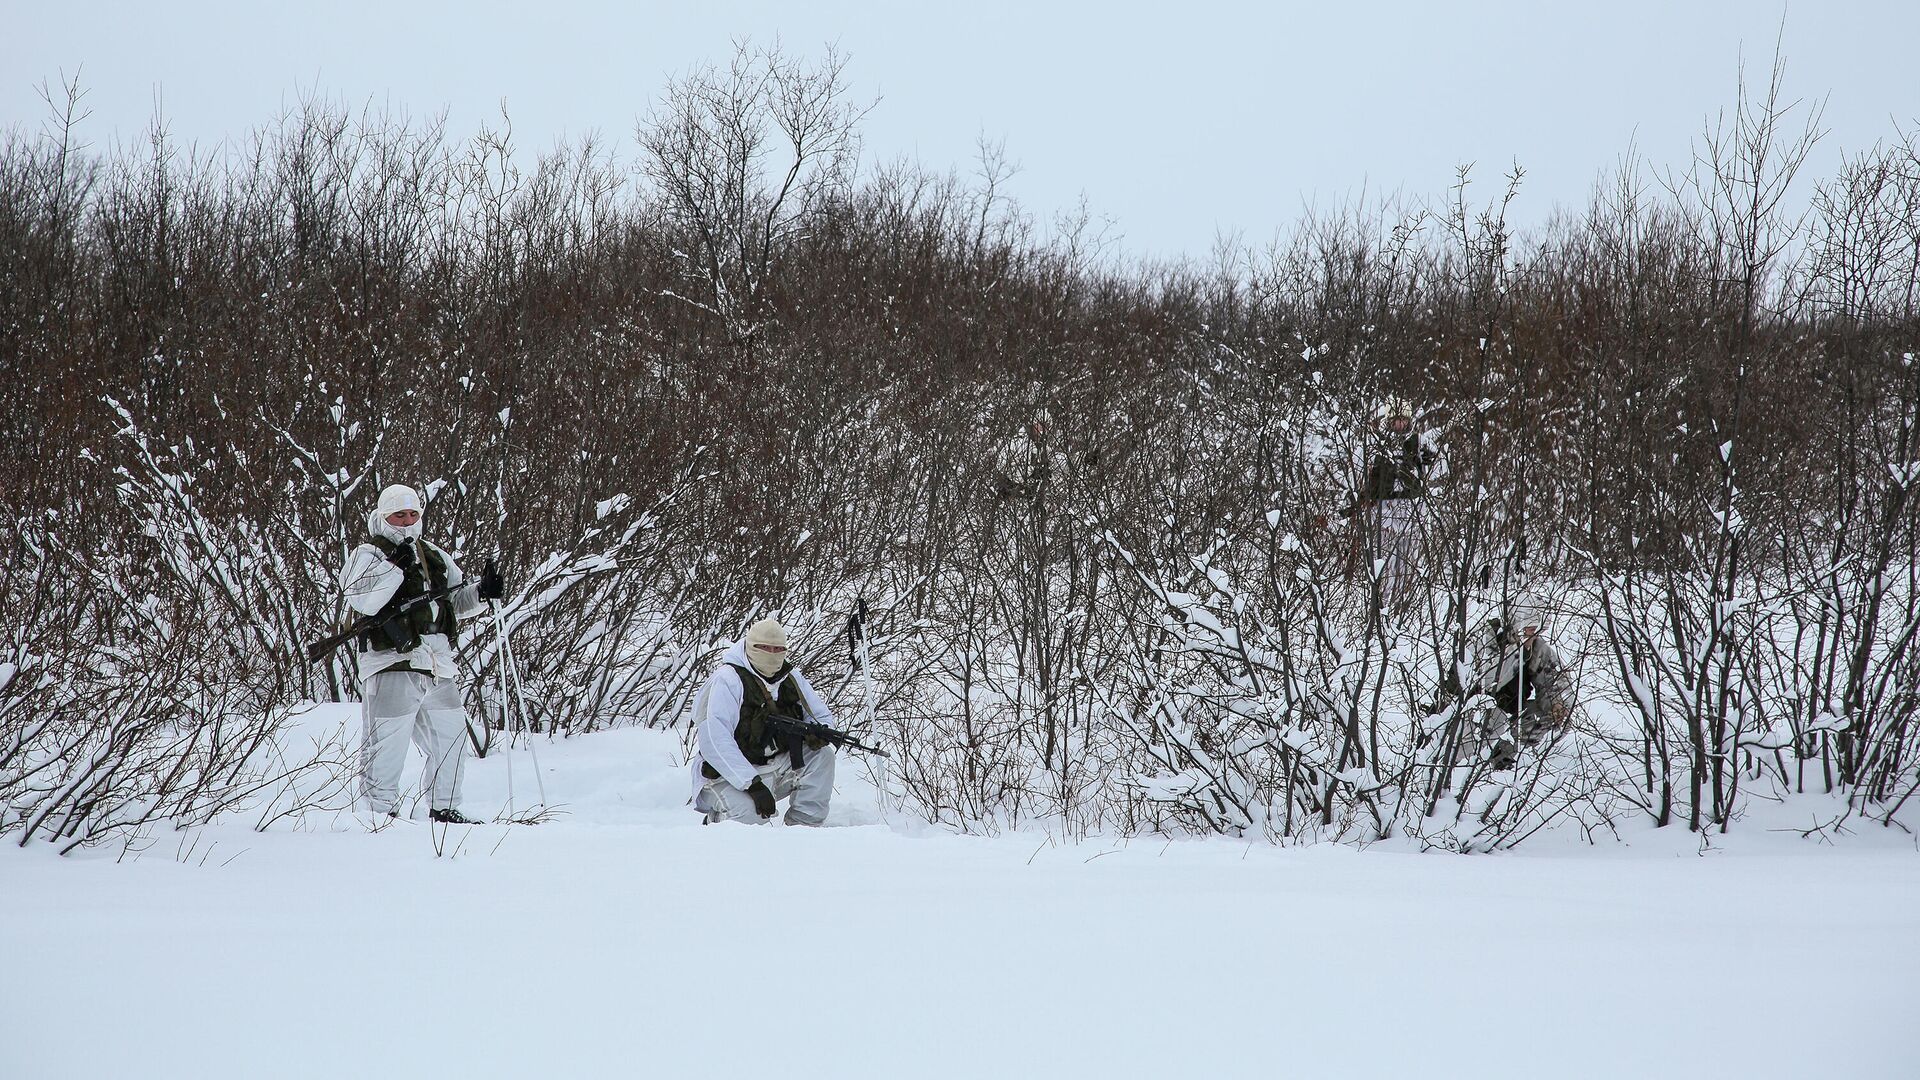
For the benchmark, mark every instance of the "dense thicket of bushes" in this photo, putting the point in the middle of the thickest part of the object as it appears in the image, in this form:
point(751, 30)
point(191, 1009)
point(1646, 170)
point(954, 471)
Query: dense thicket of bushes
point(738, 373)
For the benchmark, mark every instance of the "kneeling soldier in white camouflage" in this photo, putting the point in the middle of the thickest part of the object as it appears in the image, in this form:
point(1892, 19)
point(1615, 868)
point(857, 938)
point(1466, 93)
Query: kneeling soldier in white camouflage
point(1527, 681)
point(414, 594)
point(745, 762)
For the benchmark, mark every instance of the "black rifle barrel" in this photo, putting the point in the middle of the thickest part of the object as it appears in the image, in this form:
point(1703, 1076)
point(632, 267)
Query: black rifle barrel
point(822, 732)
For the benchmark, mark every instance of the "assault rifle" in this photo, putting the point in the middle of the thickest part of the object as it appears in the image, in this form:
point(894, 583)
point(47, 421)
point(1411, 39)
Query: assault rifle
point(319, 650)
point(808, 729)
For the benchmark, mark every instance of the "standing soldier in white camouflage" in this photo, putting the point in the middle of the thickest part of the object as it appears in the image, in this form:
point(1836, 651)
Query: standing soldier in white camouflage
point(1396, 481)
point(413, 594)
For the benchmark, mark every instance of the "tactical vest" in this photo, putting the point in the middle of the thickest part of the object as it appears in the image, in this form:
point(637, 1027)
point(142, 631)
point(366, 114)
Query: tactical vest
point(1398, 476)
point(760, 744)
point(423, 574)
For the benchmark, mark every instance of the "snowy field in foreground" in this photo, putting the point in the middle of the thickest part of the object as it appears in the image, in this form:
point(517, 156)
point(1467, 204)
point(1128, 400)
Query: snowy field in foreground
point(625, 940)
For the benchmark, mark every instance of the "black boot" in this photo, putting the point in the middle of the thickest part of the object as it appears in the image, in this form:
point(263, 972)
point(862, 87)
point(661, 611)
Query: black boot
point(451, 817)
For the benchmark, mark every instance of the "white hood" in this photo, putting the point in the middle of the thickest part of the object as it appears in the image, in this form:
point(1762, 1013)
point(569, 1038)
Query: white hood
point(394, 499)
point(766, 632)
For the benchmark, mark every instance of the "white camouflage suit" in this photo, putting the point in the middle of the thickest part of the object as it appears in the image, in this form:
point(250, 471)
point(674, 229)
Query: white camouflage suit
point(716, 713)
point(412, 694)
point(1396, 465)
point(1525, 670)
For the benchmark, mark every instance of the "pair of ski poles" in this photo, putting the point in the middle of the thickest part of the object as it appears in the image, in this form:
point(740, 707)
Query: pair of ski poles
point(506, 666)
point(509, 669)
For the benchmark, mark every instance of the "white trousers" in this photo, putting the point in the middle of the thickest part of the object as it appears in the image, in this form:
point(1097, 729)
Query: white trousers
point(1399, 546)
point(811, 787)
point(399, 703)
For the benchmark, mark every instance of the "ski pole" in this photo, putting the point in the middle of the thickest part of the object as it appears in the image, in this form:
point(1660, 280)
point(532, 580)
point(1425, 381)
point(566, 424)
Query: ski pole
point(861, 657)
point(500, 669)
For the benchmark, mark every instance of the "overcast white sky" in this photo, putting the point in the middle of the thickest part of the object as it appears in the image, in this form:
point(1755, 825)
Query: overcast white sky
point(1177, 119)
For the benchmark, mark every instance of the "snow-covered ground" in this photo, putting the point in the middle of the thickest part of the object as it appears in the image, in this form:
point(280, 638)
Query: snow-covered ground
point(624, 939)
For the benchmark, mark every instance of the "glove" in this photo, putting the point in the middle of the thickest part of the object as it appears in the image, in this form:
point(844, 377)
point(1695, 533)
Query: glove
point(402, 556)
point(762, 798)
point(491, 587)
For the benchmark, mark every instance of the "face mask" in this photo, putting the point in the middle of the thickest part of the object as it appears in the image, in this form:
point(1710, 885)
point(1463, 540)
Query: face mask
point(766, 663)
point(380, 526)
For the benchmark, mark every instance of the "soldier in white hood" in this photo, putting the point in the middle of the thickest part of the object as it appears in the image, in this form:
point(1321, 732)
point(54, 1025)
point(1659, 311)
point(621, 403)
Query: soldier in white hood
point(742, 766)
point(416, 594)
point(1397, 464)
point(1528, 691)
point(1532, 693)
point(1030, 461)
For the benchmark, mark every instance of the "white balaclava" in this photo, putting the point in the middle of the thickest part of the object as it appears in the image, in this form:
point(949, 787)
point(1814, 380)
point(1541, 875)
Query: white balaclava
point(393, 500)
point(767, 632)
point(1524, 609)
point(1530, 609)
